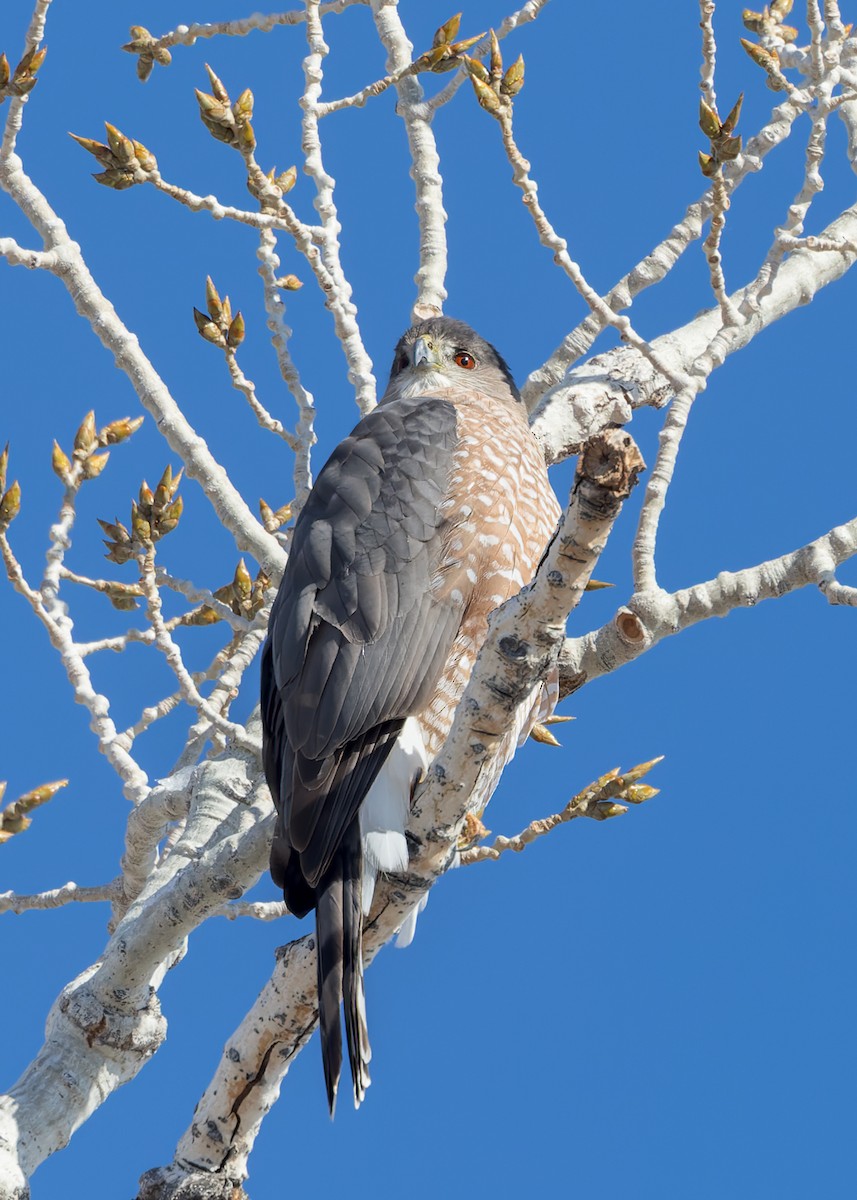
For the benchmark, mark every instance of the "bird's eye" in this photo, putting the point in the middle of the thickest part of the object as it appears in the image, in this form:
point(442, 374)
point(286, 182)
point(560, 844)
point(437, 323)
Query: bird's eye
point(465, 360)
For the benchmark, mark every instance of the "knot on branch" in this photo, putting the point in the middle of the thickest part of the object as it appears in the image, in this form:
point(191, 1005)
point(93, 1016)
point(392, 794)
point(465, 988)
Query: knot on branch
point(175, 1183)
point(513, 648)
point(136, 1032)
point(611, 461)
point(630, 628)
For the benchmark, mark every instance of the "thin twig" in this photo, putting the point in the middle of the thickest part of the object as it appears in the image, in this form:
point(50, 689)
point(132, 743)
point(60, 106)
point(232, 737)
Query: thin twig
point(57, 897)
point(599, 801)
point(248, 389)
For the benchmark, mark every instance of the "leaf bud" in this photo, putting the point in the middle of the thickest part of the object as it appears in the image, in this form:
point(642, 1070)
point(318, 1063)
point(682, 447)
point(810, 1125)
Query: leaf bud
point(245, 137)
point(217, 87)
point(207, 328)
point(118, 431)
point(242, 109)
point(140, 527)
point(115, 179)
point(86, 439)
point(241, 580)
point(496, 66)
point(539, 733)
point(476, 67)
point(122, 147)
point(513, 80)
point(731, 121)
point(10, 505)
point(446, 32)
point(94, 465)
point(212, 299)
point(486, 95)
point(287, 180)
point(235, 333)
point(145, 157)
point(170, 519)
point(638, 793)
point(709, 122)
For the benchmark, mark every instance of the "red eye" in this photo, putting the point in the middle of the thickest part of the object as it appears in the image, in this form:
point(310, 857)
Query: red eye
point(465, 360)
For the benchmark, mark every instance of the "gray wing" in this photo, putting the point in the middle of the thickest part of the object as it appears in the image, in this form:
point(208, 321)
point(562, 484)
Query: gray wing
point(357, 638)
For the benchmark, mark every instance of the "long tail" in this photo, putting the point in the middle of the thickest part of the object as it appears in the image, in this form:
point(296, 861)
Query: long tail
point(339, 934)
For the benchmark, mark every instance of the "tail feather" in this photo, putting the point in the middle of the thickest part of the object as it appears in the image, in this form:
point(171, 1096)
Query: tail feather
point(339, 935)
point(329, 939)
point(356, 1030)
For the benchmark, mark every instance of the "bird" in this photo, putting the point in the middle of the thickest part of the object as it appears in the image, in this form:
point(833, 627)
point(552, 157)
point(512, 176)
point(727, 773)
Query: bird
point(432, 512)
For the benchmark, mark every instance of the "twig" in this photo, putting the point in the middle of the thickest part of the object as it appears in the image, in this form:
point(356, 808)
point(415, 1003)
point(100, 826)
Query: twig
point(643, 553)
point(339, 300)
point(280, 335)
point(199, 596)
point(653, 615)
point(248, 390)
point(599, 801)
point(15, 117)
point(526, 13)
point(187, 35)
point(91, 303)
point(171, 652)
point(604, 390)
point(18, 256)
point(57, 897)
point(559, 248)
point(793, 226)
point(709, 52)
point(431, 273)
point(51, 612)
point(660, 261)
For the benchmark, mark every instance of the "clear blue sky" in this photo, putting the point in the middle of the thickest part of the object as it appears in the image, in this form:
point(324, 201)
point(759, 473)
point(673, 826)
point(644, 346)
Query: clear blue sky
point(659, 1006)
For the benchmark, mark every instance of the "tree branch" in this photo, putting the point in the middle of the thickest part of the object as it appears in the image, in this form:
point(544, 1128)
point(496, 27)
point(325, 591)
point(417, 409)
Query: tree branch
point(431, 292)
point(608, 387)
point(651, 616)
point(153, 393)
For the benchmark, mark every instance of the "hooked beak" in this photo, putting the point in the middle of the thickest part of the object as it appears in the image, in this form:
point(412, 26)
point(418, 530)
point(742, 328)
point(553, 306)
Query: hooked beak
point(426, 353)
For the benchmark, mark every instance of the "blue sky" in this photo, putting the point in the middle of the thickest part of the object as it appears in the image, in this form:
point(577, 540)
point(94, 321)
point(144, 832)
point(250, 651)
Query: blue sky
point(658, 1006)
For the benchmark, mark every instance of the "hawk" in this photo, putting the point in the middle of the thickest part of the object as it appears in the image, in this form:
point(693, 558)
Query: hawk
point(431, 513)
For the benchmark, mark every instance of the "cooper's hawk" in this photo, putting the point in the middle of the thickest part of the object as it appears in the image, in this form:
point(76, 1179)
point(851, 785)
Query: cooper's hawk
point(433, 511)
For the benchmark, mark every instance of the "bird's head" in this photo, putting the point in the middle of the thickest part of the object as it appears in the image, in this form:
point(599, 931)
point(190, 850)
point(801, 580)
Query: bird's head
point(441, 353)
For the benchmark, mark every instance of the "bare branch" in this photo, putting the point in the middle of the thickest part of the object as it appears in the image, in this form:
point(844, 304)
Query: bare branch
point(559, 248)
point(59, 628)
point(34, 37)
point(93, 305)
point(18, 256)
point(187, 35)
point(280, 336)
point(651, 616)
point(339, 300)
point(111, 1010)
point(172, 653)
point(431, 292)
point(660, 261)
point(599, 801)
point(248, 390)
point(605, 389)
point(57, 897)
